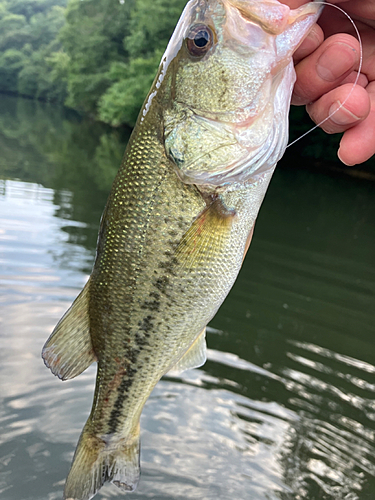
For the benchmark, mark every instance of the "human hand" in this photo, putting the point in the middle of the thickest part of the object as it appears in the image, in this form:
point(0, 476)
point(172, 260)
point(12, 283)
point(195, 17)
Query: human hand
point(327, 63)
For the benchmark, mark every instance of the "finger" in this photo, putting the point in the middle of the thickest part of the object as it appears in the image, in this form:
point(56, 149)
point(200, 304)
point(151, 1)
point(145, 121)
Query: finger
point(358, 143)
point(355, 108)
point(332, 24)
point(314, 38)
point(294, 4)
point(361, 80)
point(362, 8)
point(325, 68)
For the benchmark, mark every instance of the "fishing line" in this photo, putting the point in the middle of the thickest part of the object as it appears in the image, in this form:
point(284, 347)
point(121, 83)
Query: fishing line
point(355, 81)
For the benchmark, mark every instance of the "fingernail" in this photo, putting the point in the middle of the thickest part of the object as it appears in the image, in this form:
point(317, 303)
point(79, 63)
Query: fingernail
point(342, 116)
point(344, 162)
point(336, 60)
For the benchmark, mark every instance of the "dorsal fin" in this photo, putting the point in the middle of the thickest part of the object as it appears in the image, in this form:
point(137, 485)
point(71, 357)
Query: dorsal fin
point(69, 351)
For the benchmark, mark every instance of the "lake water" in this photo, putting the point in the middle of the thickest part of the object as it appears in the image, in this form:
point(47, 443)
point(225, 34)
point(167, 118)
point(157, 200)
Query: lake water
point(284, 408)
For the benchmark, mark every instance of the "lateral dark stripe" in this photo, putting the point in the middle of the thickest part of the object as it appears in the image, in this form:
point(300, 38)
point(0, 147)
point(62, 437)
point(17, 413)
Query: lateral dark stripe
point(145, 328)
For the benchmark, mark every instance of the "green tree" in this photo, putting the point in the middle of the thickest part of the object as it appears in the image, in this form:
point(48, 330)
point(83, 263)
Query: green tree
point(93, 38)
point(151, 26)
point(13, 34)
point(131, 82)
point(11, 63)
point(28, 8)
point(29, 47)
point(99, 56)
point(41, 76)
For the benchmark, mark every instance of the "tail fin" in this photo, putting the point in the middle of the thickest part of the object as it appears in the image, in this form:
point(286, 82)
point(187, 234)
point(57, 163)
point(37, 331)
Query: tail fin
point(97, 461)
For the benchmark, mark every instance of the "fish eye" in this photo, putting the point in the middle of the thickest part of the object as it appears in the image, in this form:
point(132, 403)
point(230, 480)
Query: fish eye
point(199, 40)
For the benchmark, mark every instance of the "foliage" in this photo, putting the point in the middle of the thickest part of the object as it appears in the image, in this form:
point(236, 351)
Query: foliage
point(150, 28)
point(121, 103)
point(115, 49)
point(99, 57)
point(49, 144)
point(93, 39)
point(29, 47)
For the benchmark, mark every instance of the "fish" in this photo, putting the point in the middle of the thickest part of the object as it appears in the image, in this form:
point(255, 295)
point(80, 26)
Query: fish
point(178, 221)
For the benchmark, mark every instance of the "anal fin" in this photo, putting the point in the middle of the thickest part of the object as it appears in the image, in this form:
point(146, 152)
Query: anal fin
point(69, 351)
point(194, 357)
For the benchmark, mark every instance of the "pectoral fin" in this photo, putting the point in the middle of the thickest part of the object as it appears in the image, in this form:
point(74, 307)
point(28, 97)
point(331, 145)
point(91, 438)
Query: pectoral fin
point(69, 351)
point(207, 236)
point(193, 358)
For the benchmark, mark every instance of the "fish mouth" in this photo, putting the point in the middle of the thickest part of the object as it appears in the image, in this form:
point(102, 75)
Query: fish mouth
point(238, 118)
point(239, 135)
point(271, 15)
point(241, 152)
point(233, 123)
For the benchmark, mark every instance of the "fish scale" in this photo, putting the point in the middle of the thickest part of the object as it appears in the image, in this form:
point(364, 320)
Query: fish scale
point(178, 220)
point(148, 321)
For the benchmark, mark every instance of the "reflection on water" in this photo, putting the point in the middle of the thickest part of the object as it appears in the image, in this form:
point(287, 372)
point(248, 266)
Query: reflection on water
point(284, 408)
point(77, 159)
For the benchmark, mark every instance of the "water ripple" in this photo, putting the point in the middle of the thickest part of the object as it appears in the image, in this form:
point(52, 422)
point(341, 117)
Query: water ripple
point(271, 416)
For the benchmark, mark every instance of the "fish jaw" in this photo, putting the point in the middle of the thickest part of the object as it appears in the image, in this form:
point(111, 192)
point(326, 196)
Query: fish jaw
point(271, 15)
point(226, 115)
point(242, 152)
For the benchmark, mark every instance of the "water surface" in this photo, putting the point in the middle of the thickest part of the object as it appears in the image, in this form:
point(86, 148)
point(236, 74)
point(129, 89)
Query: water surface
point(284, 408)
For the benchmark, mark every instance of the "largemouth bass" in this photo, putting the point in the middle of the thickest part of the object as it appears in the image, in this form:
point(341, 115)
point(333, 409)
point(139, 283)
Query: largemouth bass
point(178, 220)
